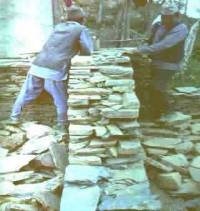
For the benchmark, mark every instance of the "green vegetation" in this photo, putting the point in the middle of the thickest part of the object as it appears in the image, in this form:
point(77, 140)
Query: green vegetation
point(191, 76)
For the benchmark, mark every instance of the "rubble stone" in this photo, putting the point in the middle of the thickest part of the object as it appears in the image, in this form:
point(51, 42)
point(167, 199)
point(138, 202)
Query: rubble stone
point(88, 198)
point(38, 145)
point(195, 128)
point(197, 148)
point(129, 147)
point(166, 143)
point(35, 130)
point(195, 169)
point(184, 147)
point(170, 181)
point(135, 197)
point(175, 118)
point(90, 160)
point(83, 174)
point(3, 152)
point(81, 130)
point(178, 160)
point(14, 163)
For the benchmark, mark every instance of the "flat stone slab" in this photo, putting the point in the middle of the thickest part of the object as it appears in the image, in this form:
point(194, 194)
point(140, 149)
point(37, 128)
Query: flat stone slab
point(129, 147)
point(38, 145)
point(100, 131)
point(159, 142)
point(59, 155)
point(96, 143)
point(184, 147)
point(188, 188)
point(3, 152)
point(178, 160)
point(134, 197)
point(170, 181)
point(194, 169)
point(81, 130)
point(77, 198)
point(90, 151)
point(135, 173)
point(195, 129)
point(130, 100)
point(48, 200)
point(14, 163)
point(187, 90)
point(36, 130)
point(85, 160)
point(84, 174)
point(6, 188)
point(122, 82)
point(176, 117)
point(117, 70)
point(125, 160)
point(48, 185)
point(13, 141)
point(120, 114)
point(82, 61)
point(17, 206)
point(44, 160)
point(197, 148)
point(90, 91)
point(114, 130)
point(14, 177)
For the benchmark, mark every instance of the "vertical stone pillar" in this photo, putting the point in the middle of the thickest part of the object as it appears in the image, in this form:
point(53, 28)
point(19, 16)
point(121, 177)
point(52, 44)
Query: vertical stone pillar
point(105, 153)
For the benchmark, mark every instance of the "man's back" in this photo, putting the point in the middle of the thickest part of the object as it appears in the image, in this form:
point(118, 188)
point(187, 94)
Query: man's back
point(61, 46)
point(67, 40)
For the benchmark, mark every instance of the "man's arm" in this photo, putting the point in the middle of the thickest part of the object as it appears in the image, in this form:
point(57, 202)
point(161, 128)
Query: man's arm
point(86, 44)
point(174, 37)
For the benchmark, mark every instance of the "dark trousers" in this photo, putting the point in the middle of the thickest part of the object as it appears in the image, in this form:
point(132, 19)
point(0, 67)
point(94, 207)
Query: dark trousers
point(159, 86)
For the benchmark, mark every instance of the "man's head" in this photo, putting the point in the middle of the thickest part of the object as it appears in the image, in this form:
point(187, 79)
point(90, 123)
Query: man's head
point(75, 13)
point(169, 15)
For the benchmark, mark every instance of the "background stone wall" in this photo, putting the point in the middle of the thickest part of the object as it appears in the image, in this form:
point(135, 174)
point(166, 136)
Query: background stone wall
point(11, 80)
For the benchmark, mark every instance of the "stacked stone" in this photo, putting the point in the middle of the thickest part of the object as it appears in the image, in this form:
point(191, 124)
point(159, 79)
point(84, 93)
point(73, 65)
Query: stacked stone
point(11, 80)
point(32, 165)
point(172, 148)
point(106, 160)
point(187, 100)
point(103, 112)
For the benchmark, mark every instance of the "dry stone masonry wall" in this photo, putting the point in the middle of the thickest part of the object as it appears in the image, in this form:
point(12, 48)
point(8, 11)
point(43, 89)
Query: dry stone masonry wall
point(11, 80)
point(106, 159)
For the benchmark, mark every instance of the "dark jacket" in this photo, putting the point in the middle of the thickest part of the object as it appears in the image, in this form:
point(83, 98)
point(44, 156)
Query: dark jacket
point(166, 47)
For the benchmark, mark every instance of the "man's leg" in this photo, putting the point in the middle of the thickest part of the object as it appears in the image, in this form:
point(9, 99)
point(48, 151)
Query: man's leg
point(160, 85)
point(57, 89)
point(30, 90)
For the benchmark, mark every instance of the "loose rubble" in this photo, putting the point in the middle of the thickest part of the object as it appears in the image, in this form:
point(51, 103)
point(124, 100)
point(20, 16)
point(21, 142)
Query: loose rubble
point(31, 175)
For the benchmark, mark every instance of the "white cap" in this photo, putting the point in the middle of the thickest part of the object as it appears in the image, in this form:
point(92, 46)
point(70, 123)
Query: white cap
point(75, 12)
point(169, 9)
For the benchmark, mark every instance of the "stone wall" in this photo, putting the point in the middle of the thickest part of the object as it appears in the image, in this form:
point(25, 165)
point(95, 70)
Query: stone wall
point(106, 159)
point(172, 143)
point(11, 80)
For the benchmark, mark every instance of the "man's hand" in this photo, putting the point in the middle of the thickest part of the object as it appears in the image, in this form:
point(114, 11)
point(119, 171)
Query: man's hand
point(131, 51)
